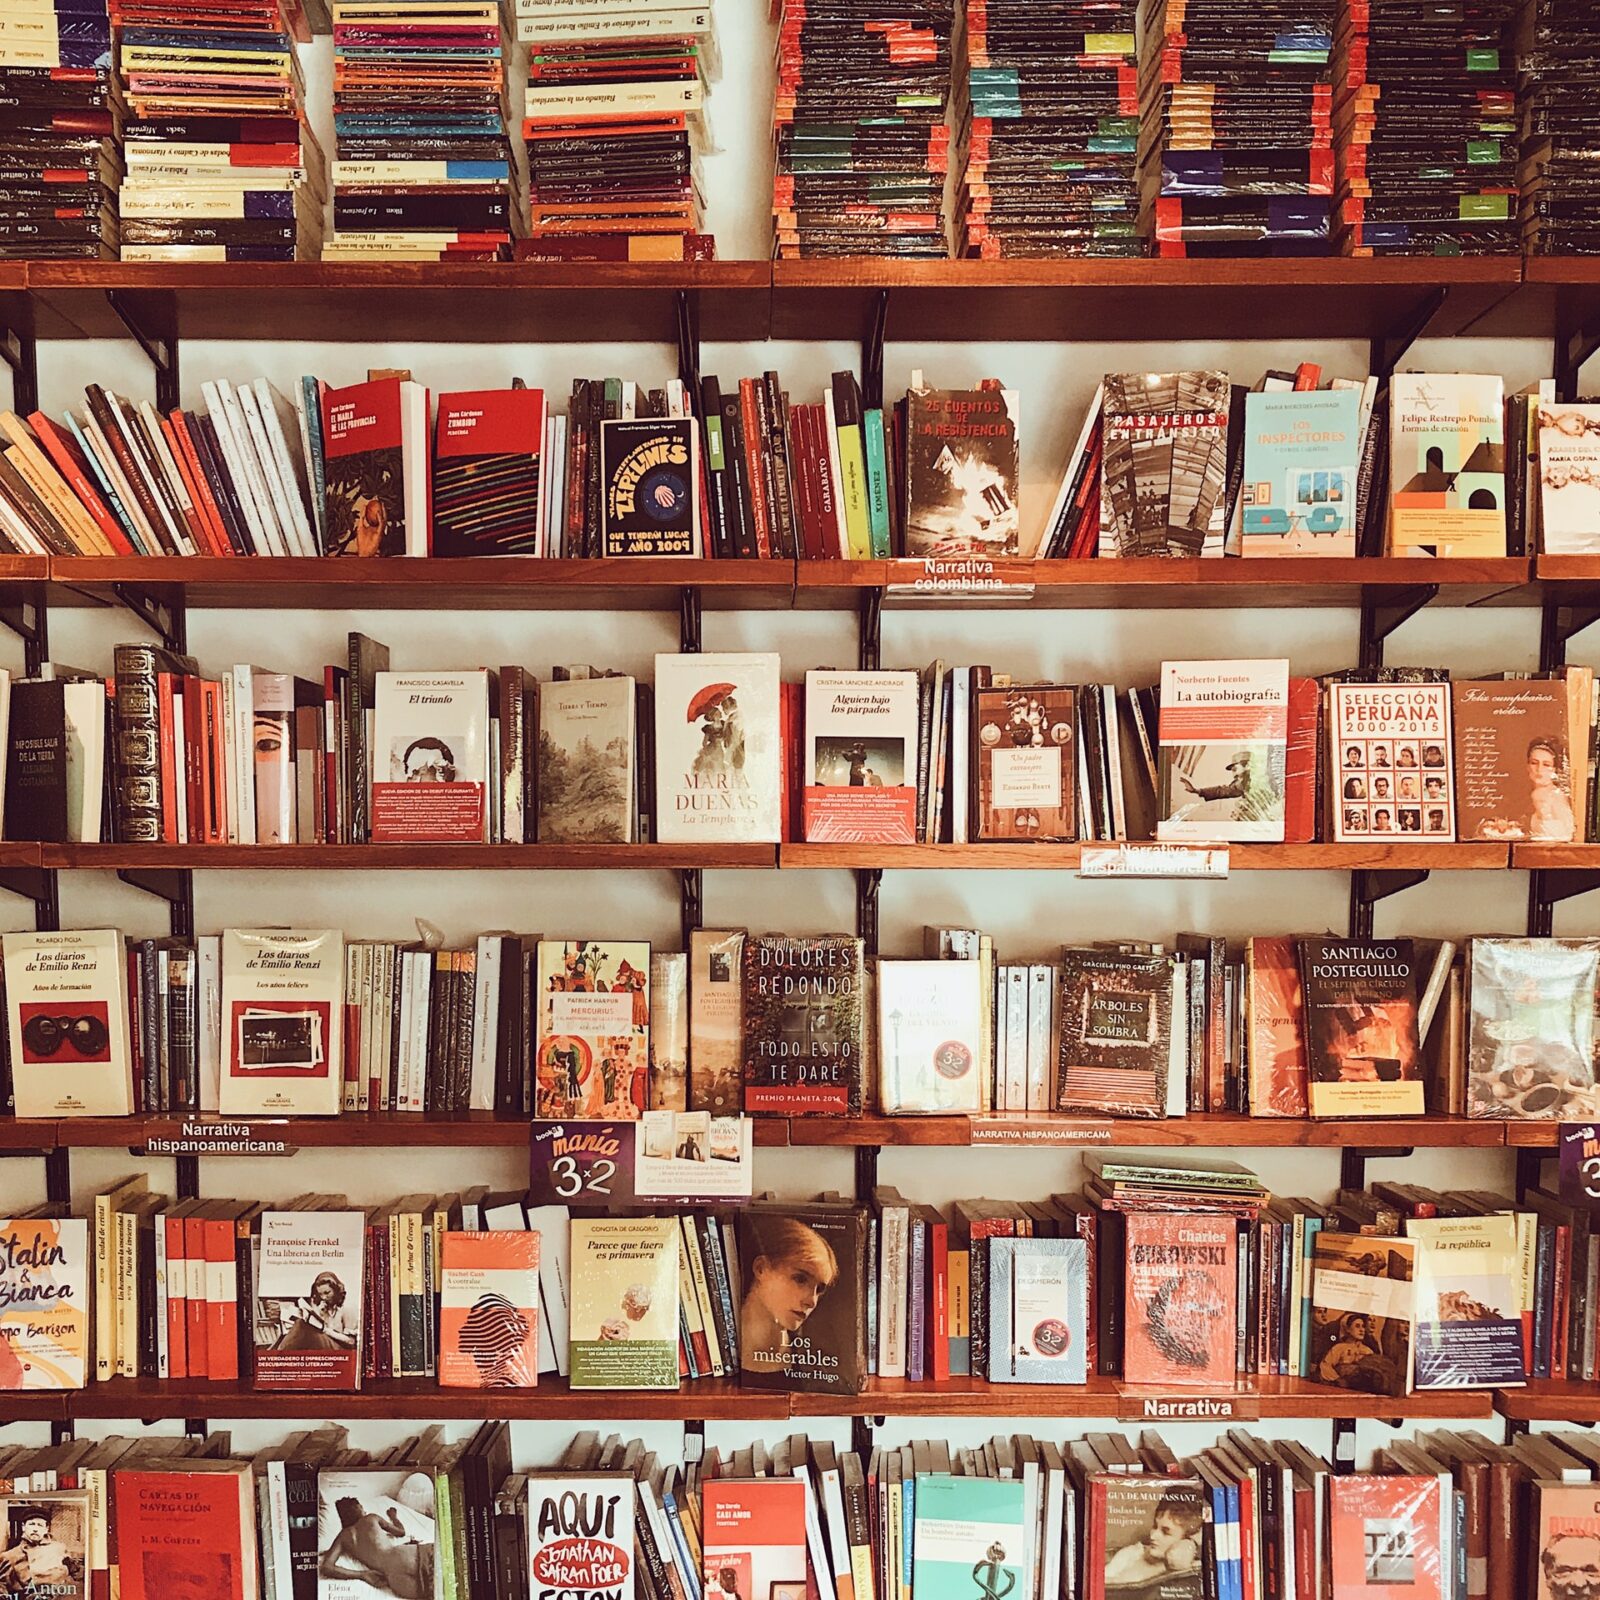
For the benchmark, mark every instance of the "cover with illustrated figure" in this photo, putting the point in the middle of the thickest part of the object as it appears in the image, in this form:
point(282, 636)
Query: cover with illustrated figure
point(44, 1303)
point(1468, 1303)
point(970, 1538)
point(594, 1028)
point(1147, 1532)
point(624, 1312)
point(1363, 1304)
point(376, 1535)
point(1447, 464)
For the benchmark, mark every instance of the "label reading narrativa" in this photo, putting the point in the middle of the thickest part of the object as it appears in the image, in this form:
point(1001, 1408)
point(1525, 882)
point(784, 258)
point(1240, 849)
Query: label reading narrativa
point(1134, 1406)
point(992, 1131)
point(217, 1139)
point(958, 576)
point(1152, 861)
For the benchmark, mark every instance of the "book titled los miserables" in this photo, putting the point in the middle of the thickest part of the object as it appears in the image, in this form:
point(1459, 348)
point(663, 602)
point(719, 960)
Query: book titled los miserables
point(804, 1025)
point(1362, 1053)
point(649, 486)
point(861, 754)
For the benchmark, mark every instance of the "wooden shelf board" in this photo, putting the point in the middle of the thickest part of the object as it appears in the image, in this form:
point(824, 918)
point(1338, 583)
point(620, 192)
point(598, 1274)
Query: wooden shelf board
point(1555, 857)
point(26, 1133)
point(1531, 1134)
point(1583, 570)
point(35, 1406)
point(410, 857)
point(1065, 857)
point(1545, 1400)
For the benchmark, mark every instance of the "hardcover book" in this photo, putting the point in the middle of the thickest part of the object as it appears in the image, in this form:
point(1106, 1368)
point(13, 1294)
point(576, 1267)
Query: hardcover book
point(962, 472)
point(45, 1541)
point(430, 758)
point(488, 473)
point(1390, 754)
point(716, 1021)
point(967, 1532)
point(1025, 764)
point(861, 758)
point(1531, 1029)
point(360, 1513)
point(45, 1272)
point(1569, 480)
point(1468, 1307)
point(1116, 1018)
point(188, 1530)
point(67, 1014)
point(1386, 1539)
point(581, 1535)
point(1363, 1058)
point(717, 750)
point(1180, 1288)
point(594, 1028)
point(624, 1312)
point(1363, 1303)
point(308, 1300)
point(931, 1017)
point(489, 1310)
point(753, 1533)
point(803, 1298)
point(1223, 731)
point(586, 762)
point(1148, 1530)
point(1038, 1310)
point(1447, 464)
point(1275, 1037)
point(1513, 760)
point(375, 449)
point(283, 1022)
point(804, 1025)
point(1302, 456)
point(649, 486)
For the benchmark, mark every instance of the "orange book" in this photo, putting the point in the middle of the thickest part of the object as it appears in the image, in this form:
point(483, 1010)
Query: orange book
point(1181, 1284)
point(222, 1295)
point(70, 464)
point(194, 1305)
point(217, 541)
point(198, 523)
point(1276, 1037)
point(489, 1311)
point(1384, 1541)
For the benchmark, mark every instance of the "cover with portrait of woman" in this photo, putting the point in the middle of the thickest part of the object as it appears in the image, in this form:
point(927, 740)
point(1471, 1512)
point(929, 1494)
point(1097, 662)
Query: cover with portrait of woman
point(801, 1309)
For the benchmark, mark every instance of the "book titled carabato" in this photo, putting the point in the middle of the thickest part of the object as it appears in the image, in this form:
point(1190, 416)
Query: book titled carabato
point(651, 477)
point(804, 1025)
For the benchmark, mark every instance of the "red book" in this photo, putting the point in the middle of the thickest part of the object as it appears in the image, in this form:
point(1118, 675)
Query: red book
point(375, 445)
point(791, 757)
point(177, 1304)
point(1384, 1538)
point(1300, 763)
point(168, 756)
point(64, 453)
point(188, 1532)
point(488, 460)
point(198, 521)
point(755, 473)
point(217, 541)
point(194, 1305)
point(1180, 1287)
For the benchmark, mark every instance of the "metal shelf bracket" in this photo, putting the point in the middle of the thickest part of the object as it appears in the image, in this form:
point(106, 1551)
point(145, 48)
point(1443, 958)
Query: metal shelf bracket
point(24, 612)
point(688, 333)
point(1389, 348)
point(870, 614)
point(162, 611)
point(1384, 611)
point(175, 885)
point(161, 346)
point(869, 882)
point(1546, 890)
point(1575, 344)
point(691, 616)
point(872, 353)
point(40, 885)
point(1370, 885)
point(19, 349)
point(1560, 623)
point(1353, 1162)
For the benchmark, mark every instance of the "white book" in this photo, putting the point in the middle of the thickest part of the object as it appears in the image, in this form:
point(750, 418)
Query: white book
point(18, 531)
point(254, 524)
point(930, 1037)
point(143, 533)
point(267, 466)
point(307, 456)
point(245, 448)
point(281, 421)
point(431, 758)
point(552, 1224)
point(122, 421)
point(163, 1350)
point(960, 753)
point(1016, 1024)
point(1041, 544)
point(243, 751)
point(485, 1022)
point(821, 1564)
point(416, 463)
point(584, 1516)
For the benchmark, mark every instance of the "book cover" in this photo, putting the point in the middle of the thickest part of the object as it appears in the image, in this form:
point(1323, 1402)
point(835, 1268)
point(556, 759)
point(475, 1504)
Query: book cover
point(37, 782)
point(860, 784)
point(969, 1537)
point(44, 1303)
point(1566, 1526)
point(1363, 1303)
point(430, 758)
point(1513, 764)
point(371, 499)
point(1223, 732)
point(669, 1031)
point(962, 472)
point(489, 1310)
point(802, 1298)
point(594, 1028)
point(1386, 1538)
point(67, 1017)
point(580, 1535)
point(283, 1022)
point(1363, 1058)
point(1531, 1029)
point(488, 473)
point(716, 1021)
point(1389, 739)
point(1447, 464)
point(308, 1300)
point(45, 1538)
point(649, 486)
point(1025, 763)
point(186, 1531)
point(717, 749)
point(1275, 1037)
point(1038, 1310)
point(1302, 454)
point(753, 1538)
point(804, 1025)
point(1569, 479)
point(586, 761)
point(931, 1018)
point(377, 1534)
point(1150, 1535)
point(1301, 761)
point(1115, 1014)
point(1180, 1287)
point(1468, 1307)
point(624, 1313)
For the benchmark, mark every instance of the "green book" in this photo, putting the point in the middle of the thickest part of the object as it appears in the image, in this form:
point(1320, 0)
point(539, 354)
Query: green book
point(968, 1538)
point(877, 482)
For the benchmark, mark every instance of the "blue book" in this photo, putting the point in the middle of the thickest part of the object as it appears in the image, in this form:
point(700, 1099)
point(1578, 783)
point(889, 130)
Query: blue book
point(1302, 454)
point(316, 459)
point(1038, 1310)
point(877, 482)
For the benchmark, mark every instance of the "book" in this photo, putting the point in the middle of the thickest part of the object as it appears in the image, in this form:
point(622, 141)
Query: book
point(1388, 1538)
point(580, 1535)
point(1363, 1303)
point(1531, 1028)
point(804, 1025)
point(593, 1050)
point(67, 1019)
point(430, 758)
point(1363, 1057)
point(966, 1532)
point(1447, 464)
point(649, 486)
point(45, 1541)
point(1378, 734)
point(717, 749)
point(391, 1513)
point(1180, 1289)
point(860, 784)
point(930, 1037)
point(669, 1030)
point(1223, 734)
point(308, 1294)
point(716, 1021)
point(1038, 1310)
point(375, 453)
point(1569, 479)
point(1275, 1037)
point(283, 1001)
point(1513, 760)
point(1149, 1533)
point(753, 1537)
point(1302, 456)
point(802, 1298)
point(962, 472)
point(1024, 763)
point(624, 1310)
point(1563, 1516)
point(190, 1528)
point(1467, 1306)
point(1115, 1048)
point(45, 1271)
point(488, 472)
point(489, 1310)
point(585, 768)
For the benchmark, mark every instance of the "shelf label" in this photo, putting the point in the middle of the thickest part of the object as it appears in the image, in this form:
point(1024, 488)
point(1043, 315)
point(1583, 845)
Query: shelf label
point(1148, 1405)
point(679, 1157)
point(1152, 861)
point(965, 577)
point(221, 1139)
point(993, 1131)
point(1579, 1150)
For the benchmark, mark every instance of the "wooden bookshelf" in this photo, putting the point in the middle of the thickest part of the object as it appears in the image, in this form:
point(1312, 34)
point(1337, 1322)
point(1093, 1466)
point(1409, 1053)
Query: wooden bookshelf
point(23, 1133)
point(1555, 857)
point(1531, 1135)
point(1546, 1400)
point(1066, 857)
point(409, 857)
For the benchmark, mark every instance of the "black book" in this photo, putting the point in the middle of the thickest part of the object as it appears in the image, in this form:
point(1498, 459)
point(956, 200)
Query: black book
point(367, 658)
point(722, 518)
point(738, 478)
point(36, 763)
point(785, 532)
point(649, 471)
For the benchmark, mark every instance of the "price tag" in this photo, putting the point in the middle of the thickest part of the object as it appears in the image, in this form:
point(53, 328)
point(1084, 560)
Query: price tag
point(672, 1157)
point(1154, 1405)
point(1579, 1150)
point(967, 577)
point(222, 1139)
point(1153, 861)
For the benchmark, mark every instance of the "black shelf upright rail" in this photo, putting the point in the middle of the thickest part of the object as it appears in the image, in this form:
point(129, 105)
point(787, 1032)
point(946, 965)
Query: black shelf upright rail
point(19, 349)
point(691, 616)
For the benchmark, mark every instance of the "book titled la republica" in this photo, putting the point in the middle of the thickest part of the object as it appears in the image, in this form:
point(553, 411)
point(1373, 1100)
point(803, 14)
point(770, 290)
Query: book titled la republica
point(804, 1025)
point(1362, 1051)
point(1223, 732)
point(489, 1310)
point(1302, 453)
point(430, 758)
point(1468, 1305)
point(594, 1028)
point(624, 1312)
point(1447, 464)
point(861, 750)
point(1391, 757)
point(44, 1303)
point(308, 1300)
point(283, 1022)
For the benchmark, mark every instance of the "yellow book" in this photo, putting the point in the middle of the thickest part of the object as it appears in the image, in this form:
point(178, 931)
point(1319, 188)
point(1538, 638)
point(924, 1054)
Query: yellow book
point(106, 1277)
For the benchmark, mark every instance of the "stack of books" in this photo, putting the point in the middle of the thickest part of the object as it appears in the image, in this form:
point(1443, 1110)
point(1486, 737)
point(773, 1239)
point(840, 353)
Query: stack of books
point(221, 163)
point(1558, 49)
point(861, 137)
point(1236, 152)
point(422, 161)
point(1426, 123)
point(59, 117)
point(1049, 117)
point(614, 121)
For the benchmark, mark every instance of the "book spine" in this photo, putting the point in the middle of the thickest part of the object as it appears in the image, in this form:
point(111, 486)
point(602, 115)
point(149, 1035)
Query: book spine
point(750, 421)
point(916, 1300)
point(782, 476)
point(877, 482)
point(137, 721)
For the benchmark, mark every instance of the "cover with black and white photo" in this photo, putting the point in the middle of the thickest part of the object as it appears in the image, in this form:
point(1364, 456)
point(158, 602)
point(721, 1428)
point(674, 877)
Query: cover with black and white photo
point(308, 1300)
point(376, 1534)
point(430, 758)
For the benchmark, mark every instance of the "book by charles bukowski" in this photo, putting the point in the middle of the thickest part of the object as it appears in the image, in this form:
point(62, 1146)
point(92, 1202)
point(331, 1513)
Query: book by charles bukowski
point(1180, 1282)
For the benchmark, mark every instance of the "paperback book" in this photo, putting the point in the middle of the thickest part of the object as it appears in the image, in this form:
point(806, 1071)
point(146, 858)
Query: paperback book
point(1149, 1531)
point(1569, 479)
point(861, 744)
point(1468, 1308)
point(1513, 760)
point(391, 1509)
point(969, 1531)
point(1275, 1039)
point(1116, 1017)
point(1180, 1286)
point(45, 1542)
point(1447, 464)
point(586, 782)
point(1038, 1310)
point(1363, 1304)
point(1362, 1052)
point(1302, 458)
point(188, 1529)
point(489, 1310)
point(308, 1300)
point(45, 1272)
point(962, 472)
point(624, 1312)
point(1390, 1537)
point(930, 1037)
point(804, 1025)
point(650, 486)
point(753, 1533)
point(580, 1536)
point(488, 473)
point(430, 758)
point(716, 1021)
point(594, 1028)
point(1025, 764)
point(375, 448)
point(1391, 759)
